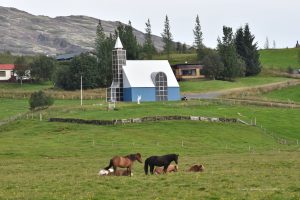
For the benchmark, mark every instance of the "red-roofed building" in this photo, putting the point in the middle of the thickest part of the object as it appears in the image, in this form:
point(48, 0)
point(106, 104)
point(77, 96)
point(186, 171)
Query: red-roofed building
point(6, 71)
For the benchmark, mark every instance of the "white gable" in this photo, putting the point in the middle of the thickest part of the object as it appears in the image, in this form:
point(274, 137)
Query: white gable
point(137, 73)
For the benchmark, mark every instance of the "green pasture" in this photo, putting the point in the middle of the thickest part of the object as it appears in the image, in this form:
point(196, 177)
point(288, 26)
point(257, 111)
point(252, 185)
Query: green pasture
point(200, 86)
point(282, 121)
point(29, 87)
point(43, 160)
point(279, 58)
point(291, 94)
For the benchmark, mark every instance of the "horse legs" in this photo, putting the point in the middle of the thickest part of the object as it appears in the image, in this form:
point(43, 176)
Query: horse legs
point(129, 170)
point(151, 169)
point(165, 168)
point(115, 170)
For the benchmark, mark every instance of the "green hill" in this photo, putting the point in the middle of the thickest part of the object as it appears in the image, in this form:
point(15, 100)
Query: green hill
point(279, 58)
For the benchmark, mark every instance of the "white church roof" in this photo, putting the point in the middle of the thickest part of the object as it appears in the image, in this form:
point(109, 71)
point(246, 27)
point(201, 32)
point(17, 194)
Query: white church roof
point(118, 44)
point(137, 73)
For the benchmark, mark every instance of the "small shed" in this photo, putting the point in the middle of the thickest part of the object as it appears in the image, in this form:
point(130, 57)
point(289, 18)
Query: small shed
point(187, 71)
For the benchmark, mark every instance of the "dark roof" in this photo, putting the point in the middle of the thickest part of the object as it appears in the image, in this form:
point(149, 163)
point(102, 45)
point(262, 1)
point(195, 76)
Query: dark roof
point(185, 65)
point(67, 56)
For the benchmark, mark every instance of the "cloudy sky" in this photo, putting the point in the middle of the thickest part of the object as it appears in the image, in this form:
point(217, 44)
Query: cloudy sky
point(279, 20)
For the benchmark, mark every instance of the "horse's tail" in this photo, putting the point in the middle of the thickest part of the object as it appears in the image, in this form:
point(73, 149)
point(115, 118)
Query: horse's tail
point(146, 166)
point(110, 165)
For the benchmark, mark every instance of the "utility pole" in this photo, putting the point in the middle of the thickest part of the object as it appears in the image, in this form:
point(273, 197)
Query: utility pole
point(81, 90)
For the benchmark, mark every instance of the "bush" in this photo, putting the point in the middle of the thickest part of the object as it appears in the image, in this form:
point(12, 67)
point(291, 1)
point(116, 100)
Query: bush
point(39, 100)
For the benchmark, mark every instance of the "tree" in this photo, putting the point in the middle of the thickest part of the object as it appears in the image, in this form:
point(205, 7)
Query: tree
point(21, 68)
point(83, 65)
point(178, 47)
point(274, 44)
point(248, 50)
point(42, 68)
point(267, 45)
point(184, 49)
point(104, 46)
point(233, 65)
point(40, 99)
point(167, 38)
point(212, 65)
point(149, 48)
point(198, 39)
point(129, 41)
point(299, 58)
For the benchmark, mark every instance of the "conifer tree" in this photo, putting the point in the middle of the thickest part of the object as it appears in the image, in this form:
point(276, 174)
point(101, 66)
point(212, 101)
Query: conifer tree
point(198, 39)
point(233, 65)
point(267, 45)
point(167, 38)
point(184, 48)
point(248, 50)
point(104, 47)
point(129, 41)
point(149, 48)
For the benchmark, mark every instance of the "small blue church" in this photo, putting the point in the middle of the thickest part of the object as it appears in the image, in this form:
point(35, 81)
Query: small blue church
point(149, 80)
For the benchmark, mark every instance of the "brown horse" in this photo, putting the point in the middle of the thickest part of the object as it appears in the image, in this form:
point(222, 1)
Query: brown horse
point(196, 168)
point(124, 162)
point(120, 173)
point(171, 168)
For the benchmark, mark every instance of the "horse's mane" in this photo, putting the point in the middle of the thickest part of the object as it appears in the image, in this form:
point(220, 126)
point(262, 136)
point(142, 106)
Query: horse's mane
point(131, 157)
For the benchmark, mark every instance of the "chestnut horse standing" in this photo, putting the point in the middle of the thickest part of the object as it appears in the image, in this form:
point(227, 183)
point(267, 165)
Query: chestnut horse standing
point(124, 162)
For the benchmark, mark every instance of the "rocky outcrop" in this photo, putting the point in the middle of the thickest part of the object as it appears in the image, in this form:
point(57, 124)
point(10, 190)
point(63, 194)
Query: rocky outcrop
point(24, 33)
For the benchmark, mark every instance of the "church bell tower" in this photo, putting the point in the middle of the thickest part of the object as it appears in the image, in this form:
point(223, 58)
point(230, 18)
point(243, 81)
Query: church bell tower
point(115, 92)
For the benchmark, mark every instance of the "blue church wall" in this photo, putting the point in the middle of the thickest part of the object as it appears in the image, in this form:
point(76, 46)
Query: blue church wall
point(174, 93)
point(148, 94)
point(131, 94)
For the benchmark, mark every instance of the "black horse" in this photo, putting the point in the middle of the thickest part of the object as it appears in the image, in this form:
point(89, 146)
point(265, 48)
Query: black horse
point(160, 161)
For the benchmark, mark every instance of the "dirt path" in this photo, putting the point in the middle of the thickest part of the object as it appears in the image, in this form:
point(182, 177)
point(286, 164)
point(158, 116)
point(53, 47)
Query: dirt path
point(238, 91)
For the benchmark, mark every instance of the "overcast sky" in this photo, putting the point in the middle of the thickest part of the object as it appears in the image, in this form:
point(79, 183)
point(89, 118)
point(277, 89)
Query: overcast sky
point(278, 20)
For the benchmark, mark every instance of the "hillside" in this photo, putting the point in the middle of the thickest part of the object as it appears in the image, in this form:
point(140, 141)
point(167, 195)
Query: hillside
point(24, 33)
point(279, 58)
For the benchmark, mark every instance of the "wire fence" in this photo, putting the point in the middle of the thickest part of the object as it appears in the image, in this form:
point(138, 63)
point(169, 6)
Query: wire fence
point(279, 138)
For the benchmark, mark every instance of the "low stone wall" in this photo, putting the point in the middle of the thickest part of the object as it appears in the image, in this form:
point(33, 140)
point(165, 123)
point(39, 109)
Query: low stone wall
point(143, 119)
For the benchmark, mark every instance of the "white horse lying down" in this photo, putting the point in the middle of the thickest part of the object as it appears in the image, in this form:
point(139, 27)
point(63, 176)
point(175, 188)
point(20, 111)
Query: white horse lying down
point(110, 172)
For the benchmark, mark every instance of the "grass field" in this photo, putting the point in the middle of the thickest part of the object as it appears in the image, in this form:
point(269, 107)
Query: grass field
point(42, 160)
point(30, 87)
point(286, 94)
point(215, 85)
point(279, 58)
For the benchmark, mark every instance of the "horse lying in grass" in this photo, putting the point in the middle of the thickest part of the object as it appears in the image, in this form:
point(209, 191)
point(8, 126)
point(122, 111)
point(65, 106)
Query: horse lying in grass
point(160, 161)
point(110, 172)
point(196, 168)
point(171, 168)
point(124, 162)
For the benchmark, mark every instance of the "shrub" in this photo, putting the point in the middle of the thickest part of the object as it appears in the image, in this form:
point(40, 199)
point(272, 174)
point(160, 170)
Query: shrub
point(39, 100)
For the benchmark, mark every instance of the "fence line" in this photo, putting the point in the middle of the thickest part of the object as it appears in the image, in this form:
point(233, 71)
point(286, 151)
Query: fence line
point(144, 119)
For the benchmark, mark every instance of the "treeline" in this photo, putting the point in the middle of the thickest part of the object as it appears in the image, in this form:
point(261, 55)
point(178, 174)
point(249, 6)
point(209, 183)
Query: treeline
point(236, 55)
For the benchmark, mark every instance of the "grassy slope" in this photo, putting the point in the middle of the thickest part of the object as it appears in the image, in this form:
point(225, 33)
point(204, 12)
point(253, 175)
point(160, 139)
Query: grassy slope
point(42, 160)
point(208, 85)
point(279, 58)
point(271, 58)
point(286, 94)
point(274, 119)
